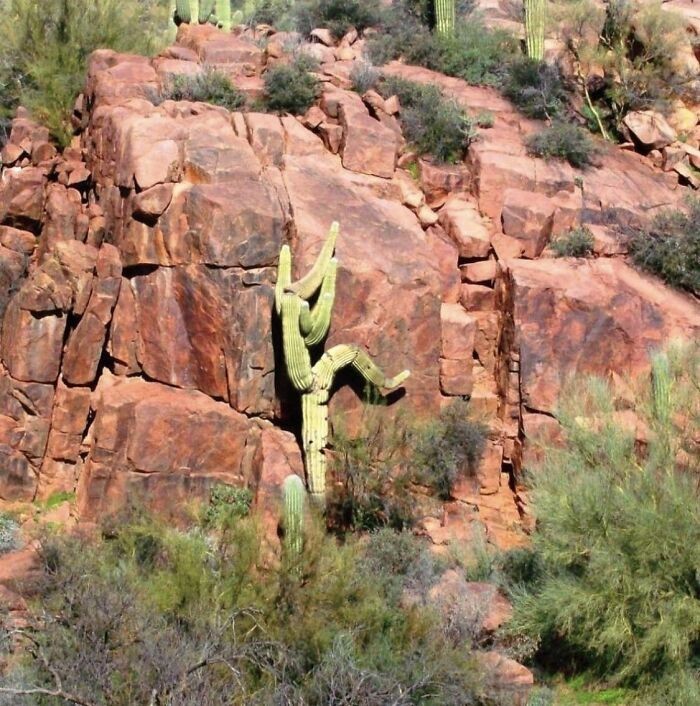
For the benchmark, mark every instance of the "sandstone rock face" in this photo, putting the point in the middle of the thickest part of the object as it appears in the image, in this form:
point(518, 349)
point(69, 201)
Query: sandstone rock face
point(138, 348)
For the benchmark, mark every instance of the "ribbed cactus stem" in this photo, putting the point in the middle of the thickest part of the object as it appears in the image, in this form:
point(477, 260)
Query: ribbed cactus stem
point(206, 11)
point(294, 496)
point(534, 28)
point(661, 387)
point(304, 327)
point(445, 17)
point(223, 14)
point(183, 11)
point(306, 287)
point(314, 433)
point(296, 354)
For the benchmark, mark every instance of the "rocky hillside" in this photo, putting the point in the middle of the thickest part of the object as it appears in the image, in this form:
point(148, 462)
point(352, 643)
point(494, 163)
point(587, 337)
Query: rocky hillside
point(137, 272)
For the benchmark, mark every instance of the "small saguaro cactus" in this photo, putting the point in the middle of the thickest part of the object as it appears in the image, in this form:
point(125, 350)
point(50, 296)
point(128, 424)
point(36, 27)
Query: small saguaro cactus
point(216, 12)
point(445, 17)
point(293, 516)
point(534, 28)
point(304, 327)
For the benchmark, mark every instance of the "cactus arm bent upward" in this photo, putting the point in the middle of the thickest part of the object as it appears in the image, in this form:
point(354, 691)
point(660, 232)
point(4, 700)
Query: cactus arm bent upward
point(307, 285)
point(284, 276)
point(296, 354)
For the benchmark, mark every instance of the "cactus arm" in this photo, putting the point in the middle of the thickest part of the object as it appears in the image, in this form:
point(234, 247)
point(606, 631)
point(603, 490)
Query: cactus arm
point(371, 372)
point(294, 495)
point(323, 309)
point(307, 285)
point(223, 14)
point(183, 11)
point(206, 10)
point(296, 354)
point(284, 276)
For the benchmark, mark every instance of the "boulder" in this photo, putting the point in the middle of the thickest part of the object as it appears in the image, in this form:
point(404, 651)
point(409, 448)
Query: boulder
point(529, 218)
point(463, 223)
point(649, 128)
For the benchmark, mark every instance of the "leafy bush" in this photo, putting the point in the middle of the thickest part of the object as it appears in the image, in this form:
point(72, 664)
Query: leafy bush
point(670, 248)
point(636, 46)
point(210, 86)
point(46, 44)
point(432, 123)
point(9, 533)
point(227, 504)
point(578, 242)
point(563, 141)
point(204, 621)
point(364, 76)
point(290, 88)
point(475, 53)
point(618, 532)
point(336, 15)
point(448, 449)
point(537, 88)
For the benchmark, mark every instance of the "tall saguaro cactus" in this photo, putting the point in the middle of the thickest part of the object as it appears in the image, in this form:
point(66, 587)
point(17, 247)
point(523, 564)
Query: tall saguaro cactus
point(445, 17)
point(534, 28)
point(305, 326)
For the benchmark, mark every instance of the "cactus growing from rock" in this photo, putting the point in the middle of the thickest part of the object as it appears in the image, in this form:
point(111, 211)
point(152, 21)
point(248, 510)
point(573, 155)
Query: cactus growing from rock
point(445, 17)
point(303, 327)
point(293, 516)
point(534, 28)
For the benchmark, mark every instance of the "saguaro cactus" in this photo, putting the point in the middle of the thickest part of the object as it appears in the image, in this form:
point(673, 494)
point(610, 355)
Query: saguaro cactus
point(445, 16)
point(293, 516)
point(534, 28)
point(216, 12)
point(303, 327)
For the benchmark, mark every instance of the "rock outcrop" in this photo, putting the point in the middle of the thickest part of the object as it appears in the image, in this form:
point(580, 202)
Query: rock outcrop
point(137, 272)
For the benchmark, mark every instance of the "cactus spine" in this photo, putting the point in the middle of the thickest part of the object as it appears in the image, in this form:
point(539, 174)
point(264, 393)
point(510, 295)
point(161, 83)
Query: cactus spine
point(304, 327)
point(445, 17)
point(534, 28)
point(294, 496)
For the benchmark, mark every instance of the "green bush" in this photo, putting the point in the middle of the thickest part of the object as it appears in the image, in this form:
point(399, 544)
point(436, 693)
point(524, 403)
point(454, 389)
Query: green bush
point(9, 533)
point(364, 76)
point(336, 15)
point(432, 123)
point(210, 86)
point(563, 141)
point(290, 88)
point(227, 504)
point(204, 621)
point(448, 449)
point(618, 533)
point(578, 242)
point(46, 44)
point(536, 88)
point(670, 248)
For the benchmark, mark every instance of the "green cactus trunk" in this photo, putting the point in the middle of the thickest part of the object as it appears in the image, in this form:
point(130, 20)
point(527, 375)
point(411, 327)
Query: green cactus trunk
point(304, 327)
point(206, 11)
point(445, 17)
point(223, 14)
point(293, 518)
point(534, 28)
point(183, 11)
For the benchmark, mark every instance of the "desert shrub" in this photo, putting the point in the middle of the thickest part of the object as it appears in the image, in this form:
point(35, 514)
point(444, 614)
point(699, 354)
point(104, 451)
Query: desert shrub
point(291, 88)
point(432, 123)
point(206, 622)
point(670, 248)
point(448, 449)
point(578, 242)
point(618, 532)
point(364, 76)
point(9, 533)
point(636, 46)
point(485, 119)
point(210, 86)
point(537, 88)
point(277, 13)
point(475, 53)
point(46, 44)
point(372, 482)
point(336, 15)
point(563, 141)
point(227, 504)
